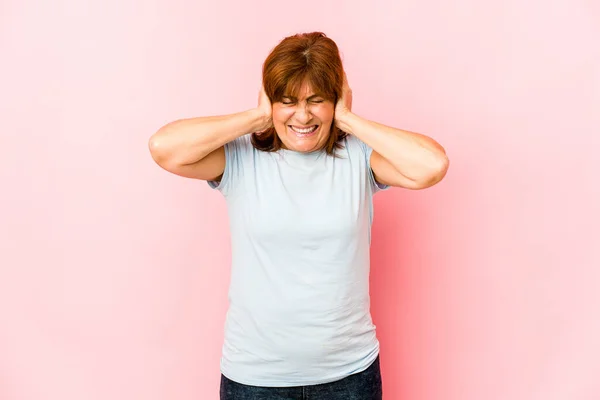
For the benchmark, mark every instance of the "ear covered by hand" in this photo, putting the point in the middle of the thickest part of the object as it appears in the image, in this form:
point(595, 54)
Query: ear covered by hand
point(265, 109)
point(344, 103)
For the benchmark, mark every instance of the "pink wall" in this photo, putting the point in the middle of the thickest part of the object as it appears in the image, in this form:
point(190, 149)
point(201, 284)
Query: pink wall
point(114, 273)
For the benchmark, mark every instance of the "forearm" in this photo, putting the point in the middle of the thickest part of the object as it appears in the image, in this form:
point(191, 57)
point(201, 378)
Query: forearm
point(413, 155)
point(187, 141)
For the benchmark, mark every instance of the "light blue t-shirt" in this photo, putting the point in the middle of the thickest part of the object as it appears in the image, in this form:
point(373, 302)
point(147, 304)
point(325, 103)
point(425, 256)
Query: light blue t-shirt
point(300, 225)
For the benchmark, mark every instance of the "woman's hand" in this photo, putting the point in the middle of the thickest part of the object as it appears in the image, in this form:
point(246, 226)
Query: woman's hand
point(344, 103)
point(265, 109)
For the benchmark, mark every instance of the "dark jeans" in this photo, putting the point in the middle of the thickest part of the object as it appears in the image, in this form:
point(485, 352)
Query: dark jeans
point(364, 385)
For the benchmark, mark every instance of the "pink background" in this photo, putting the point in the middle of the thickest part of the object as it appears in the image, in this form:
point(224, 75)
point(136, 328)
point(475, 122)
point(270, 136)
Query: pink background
point(114, 273)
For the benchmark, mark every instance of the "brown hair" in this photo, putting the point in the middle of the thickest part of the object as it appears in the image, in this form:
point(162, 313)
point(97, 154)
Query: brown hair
point(311, 56)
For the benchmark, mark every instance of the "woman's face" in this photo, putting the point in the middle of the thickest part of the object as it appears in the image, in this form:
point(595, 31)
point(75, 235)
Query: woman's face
point(303, 124)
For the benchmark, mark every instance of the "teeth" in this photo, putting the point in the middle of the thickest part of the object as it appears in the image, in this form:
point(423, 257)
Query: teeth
point(304, 130)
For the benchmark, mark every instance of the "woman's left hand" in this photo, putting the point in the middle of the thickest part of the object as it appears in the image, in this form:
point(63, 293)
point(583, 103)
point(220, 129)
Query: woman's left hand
point(344, 103)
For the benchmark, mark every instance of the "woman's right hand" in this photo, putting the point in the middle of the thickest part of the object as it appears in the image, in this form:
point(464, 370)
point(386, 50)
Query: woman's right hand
point(265, 108)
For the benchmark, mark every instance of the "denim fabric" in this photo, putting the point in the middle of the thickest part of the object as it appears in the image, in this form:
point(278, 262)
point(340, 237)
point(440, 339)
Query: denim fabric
point(364, 385)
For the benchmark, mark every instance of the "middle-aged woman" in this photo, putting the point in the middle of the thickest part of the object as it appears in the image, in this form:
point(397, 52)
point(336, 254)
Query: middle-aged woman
point(298, 174)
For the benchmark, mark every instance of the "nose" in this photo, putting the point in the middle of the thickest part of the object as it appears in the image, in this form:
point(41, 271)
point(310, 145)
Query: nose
point(303, 114)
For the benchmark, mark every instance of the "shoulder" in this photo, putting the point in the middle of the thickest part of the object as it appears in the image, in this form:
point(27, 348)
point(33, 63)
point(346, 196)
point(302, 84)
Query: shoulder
point(354, 145)
point(243, 142)
point(240, 148)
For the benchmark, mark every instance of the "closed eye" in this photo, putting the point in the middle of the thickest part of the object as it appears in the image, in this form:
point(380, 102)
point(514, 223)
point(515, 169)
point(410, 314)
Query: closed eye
point(293, 102)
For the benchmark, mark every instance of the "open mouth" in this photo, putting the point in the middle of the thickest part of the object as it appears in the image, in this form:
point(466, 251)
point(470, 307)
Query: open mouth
point(304, 132)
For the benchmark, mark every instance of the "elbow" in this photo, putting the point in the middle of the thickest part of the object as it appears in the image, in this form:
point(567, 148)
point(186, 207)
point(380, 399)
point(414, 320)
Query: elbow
point(156, 148)
point(434, 173)
point(442, 165)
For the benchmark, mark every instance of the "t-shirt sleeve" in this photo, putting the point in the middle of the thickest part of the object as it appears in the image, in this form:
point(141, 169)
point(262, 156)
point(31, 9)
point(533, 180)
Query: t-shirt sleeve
point(236, 152)
point(367, 150)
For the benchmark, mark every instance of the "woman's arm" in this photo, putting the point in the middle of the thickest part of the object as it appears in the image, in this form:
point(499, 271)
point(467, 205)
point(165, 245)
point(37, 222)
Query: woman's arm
point(400, 158)
point(193, 147)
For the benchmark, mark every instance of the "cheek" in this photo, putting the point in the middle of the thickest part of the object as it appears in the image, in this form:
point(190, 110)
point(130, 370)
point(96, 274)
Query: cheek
point(325, 113)
point(282, 114)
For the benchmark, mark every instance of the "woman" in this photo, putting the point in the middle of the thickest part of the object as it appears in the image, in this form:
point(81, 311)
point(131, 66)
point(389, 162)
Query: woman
point(298, 174)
